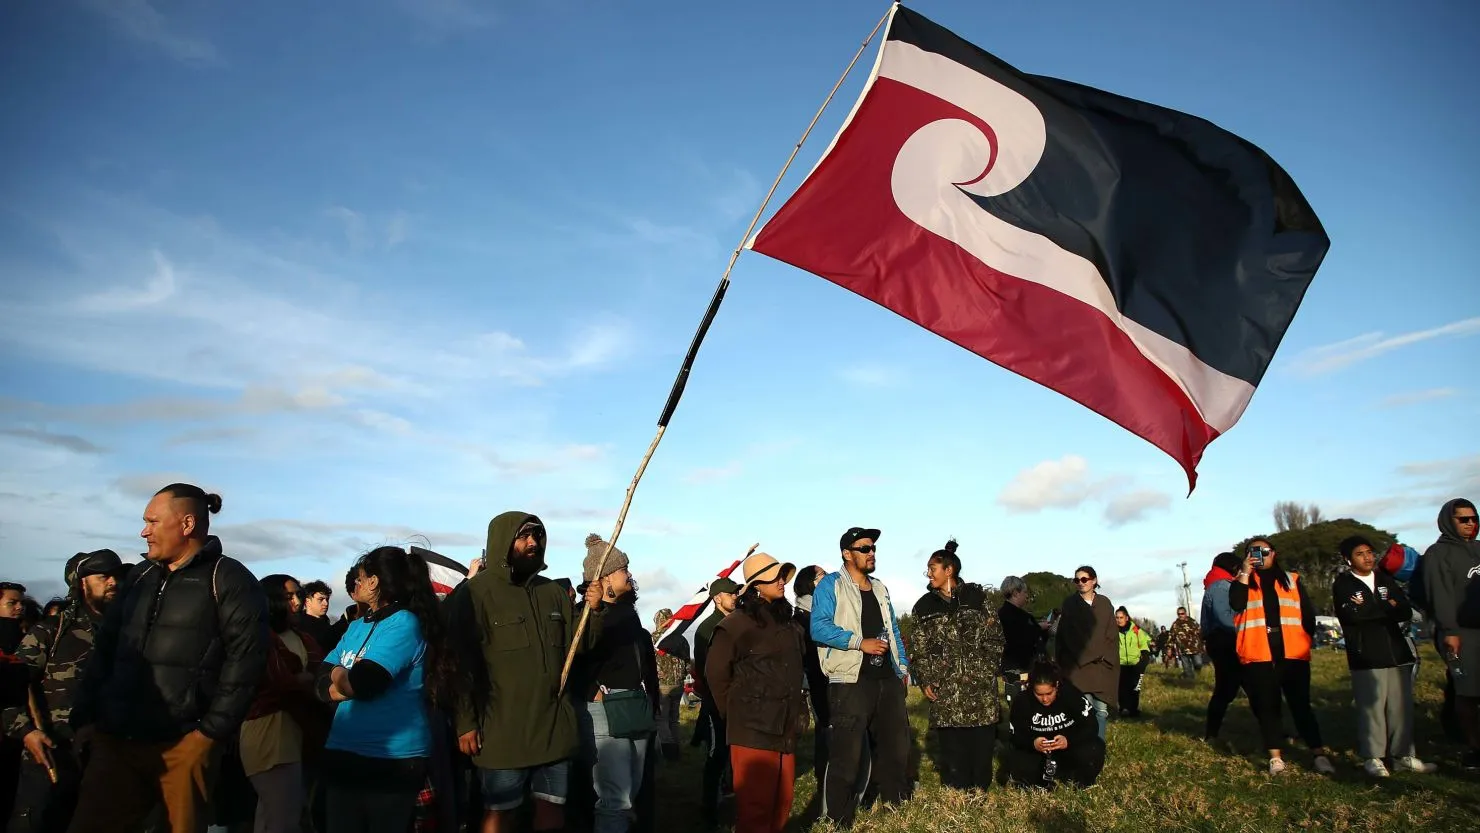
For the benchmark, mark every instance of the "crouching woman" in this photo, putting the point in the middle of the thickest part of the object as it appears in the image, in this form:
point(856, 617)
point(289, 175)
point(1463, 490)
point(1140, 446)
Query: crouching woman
point(1054, 733)
point(754, 671)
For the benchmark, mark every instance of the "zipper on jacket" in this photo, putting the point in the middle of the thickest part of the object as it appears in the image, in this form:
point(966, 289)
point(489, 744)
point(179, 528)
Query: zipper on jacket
point(154, 608)
point(538, 625)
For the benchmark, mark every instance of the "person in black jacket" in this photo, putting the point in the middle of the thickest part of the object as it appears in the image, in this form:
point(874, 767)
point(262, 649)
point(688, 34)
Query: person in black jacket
point(1374, 614)
point(805, 583)
point(175, 668)
point(620, 665)
point(1055, 735)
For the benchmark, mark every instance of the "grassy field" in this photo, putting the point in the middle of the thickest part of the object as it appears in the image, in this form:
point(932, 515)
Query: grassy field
point(1160, 776)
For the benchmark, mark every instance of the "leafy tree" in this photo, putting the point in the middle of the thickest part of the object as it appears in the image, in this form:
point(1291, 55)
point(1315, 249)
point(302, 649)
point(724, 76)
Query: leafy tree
point(1047, 591)
point(1290, 516)
point(1311, 552)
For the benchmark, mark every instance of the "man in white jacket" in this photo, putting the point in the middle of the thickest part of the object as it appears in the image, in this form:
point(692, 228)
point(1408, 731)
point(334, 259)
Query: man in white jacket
point(862, 655)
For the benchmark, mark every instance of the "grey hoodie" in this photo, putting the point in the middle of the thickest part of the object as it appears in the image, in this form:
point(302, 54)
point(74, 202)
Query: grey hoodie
point(1451, 567)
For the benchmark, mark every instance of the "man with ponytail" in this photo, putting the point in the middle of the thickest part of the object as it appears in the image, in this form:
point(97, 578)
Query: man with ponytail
point(175, 668)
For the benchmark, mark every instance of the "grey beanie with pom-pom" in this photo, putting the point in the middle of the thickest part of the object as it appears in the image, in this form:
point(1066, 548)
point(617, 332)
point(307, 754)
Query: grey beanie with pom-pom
point(595, 546)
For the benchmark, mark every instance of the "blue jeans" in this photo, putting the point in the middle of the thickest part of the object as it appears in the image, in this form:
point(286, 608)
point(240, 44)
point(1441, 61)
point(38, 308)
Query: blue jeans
point(1102, 714)
point(1191, 663)
point(616, 769)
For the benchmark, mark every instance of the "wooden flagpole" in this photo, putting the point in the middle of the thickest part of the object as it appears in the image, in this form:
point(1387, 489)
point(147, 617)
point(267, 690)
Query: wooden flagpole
point(681, 381)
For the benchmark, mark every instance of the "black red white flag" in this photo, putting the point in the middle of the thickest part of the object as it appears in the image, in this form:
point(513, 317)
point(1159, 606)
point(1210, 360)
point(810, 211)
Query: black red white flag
point(445, 573)
point(1140, 261)
point(672, 640)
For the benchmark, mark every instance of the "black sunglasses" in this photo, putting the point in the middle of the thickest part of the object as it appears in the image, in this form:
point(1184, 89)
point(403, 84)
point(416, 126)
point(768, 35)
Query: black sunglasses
point(1466, 519)
point(1082, 579)
point(865, 550)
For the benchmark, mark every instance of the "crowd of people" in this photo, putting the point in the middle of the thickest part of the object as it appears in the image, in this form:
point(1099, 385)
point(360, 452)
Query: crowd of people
point(137, 701)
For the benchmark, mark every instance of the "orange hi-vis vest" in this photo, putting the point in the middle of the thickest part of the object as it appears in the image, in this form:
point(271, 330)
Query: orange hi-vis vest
point(1253, 630)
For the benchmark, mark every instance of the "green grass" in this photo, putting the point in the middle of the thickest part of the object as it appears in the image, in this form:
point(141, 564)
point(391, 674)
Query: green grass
point(1159, 776)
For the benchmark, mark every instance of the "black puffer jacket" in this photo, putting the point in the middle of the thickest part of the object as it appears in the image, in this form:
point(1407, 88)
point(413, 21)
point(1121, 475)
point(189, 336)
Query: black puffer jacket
point(178, 651)
point(1375, 629)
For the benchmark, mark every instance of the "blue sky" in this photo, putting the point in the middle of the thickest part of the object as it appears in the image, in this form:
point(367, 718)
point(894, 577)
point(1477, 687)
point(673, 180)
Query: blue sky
point(385, 268)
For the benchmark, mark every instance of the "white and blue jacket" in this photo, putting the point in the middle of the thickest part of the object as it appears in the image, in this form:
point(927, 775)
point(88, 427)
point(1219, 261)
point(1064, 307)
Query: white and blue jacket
point(837, 627)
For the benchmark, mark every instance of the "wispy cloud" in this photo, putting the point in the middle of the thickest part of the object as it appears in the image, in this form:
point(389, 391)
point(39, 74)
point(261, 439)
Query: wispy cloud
point(869, 375)
point(440, 19)
point(279, 538)
point(754, 454)
point(356, 229)
point(70, 442)
point(140, 21)
point(1342, 354)
point(1417, 397)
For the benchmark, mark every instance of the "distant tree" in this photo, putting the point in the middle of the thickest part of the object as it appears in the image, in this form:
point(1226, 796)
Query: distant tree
point(1311, 552)
point(1290, 516)
point(1148, 625)
point(1047, 591)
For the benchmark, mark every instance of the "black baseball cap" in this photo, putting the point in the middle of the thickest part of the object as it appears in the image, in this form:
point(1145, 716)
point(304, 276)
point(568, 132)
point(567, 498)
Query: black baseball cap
point(855, 535)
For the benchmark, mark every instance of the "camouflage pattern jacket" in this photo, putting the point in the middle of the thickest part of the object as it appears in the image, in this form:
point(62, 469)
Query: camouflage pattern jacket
point(57, 651)
point(956, 650)
point(671, 669)
point(1187, 636)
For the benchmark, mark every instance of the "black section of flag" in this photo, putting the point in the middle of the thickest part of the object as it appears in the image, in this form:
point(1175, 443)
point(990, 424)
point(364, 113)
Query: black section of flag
point(1200, 235)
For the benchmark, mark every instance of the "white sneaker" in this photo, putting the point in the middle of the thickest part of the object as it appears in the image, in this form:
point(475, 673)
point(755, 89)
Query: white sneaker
point(1412, 764)
point(1276, 766)
point(1325, 767)
point(1375, 768)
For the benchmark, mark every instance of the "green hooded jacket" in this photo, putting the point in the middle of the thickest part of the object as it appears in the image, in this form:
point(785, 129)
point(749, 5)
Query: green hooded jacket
point(517, 635)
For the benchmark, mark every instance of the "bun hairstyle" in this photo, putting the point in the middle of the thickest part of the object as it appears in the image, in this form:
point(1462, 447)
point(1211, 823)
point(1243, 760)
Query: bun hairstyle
point(203, 504)
point(946, 557)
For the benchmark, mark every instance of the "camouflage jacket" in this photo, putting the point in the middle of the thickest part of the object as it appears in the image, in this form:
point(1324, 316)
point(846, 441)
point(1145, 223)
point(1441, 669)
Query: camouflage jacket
point(1187, 636)
point(957, 651)
point(56, 650)
point(671, 669)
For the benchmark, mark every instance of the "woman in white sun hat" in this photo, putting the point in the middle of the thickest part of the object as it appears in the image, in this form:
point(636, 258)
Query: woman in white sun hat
point(755, 671)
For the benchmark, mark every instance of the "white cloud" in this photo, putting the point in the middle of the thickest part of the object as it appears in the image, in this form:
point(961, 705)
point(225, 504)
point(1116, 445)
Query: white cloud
point(1416, 397)
point(714, 474)
point(1134, 506)
point(1053, 484)
point(139, 20)
point(1342, 354)
point(1067, 483)
point(159, 287)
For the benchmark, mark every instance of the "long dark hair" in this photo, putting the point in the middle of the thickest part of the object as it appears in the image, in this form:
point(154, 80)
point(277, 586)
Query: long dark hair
point(404, 582)
point(763, 612)
point(278, 612)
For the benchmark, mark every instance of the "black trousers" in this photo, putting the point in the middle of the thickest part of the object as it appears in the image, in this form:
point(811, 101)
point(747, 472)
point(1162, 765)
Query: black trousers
point(41, 806)
point(1130, 690)
point(712, 727)
point(872, 711)
point(1228, 678)
point(1265, 682)
point(819, 730)
point(1080, 764)
point(965, 755)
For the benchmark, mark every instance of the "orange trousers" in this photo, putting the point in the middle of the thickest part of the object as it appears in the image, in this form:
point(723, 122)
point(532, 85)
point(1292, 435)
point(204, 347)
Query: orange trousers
point(125, 779)
point(764, 784)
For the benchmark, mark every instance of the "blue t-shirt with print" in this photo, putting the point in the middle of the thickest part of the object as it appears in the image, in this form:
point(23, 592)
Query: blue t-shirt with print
point(394, 724)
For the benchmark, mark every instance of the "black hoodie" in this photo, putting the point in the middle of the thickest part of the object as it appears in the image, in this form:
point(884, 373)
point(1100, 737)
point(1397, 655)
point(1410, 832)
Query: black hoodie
point(1451, 568)
point(1374, 628)
point(1070, 715)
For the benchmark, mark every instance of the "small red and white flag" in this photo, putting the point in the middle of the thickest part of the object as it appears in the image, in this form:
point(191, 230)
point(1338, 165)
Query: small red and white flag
point(446, 574)
point(672, 641)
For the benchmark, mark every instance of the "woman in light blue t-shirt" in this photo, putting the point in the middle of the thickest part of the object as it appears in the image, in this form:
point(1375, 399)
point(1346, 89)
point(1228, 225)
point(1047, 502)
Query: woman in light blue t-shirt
point(383, 674)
